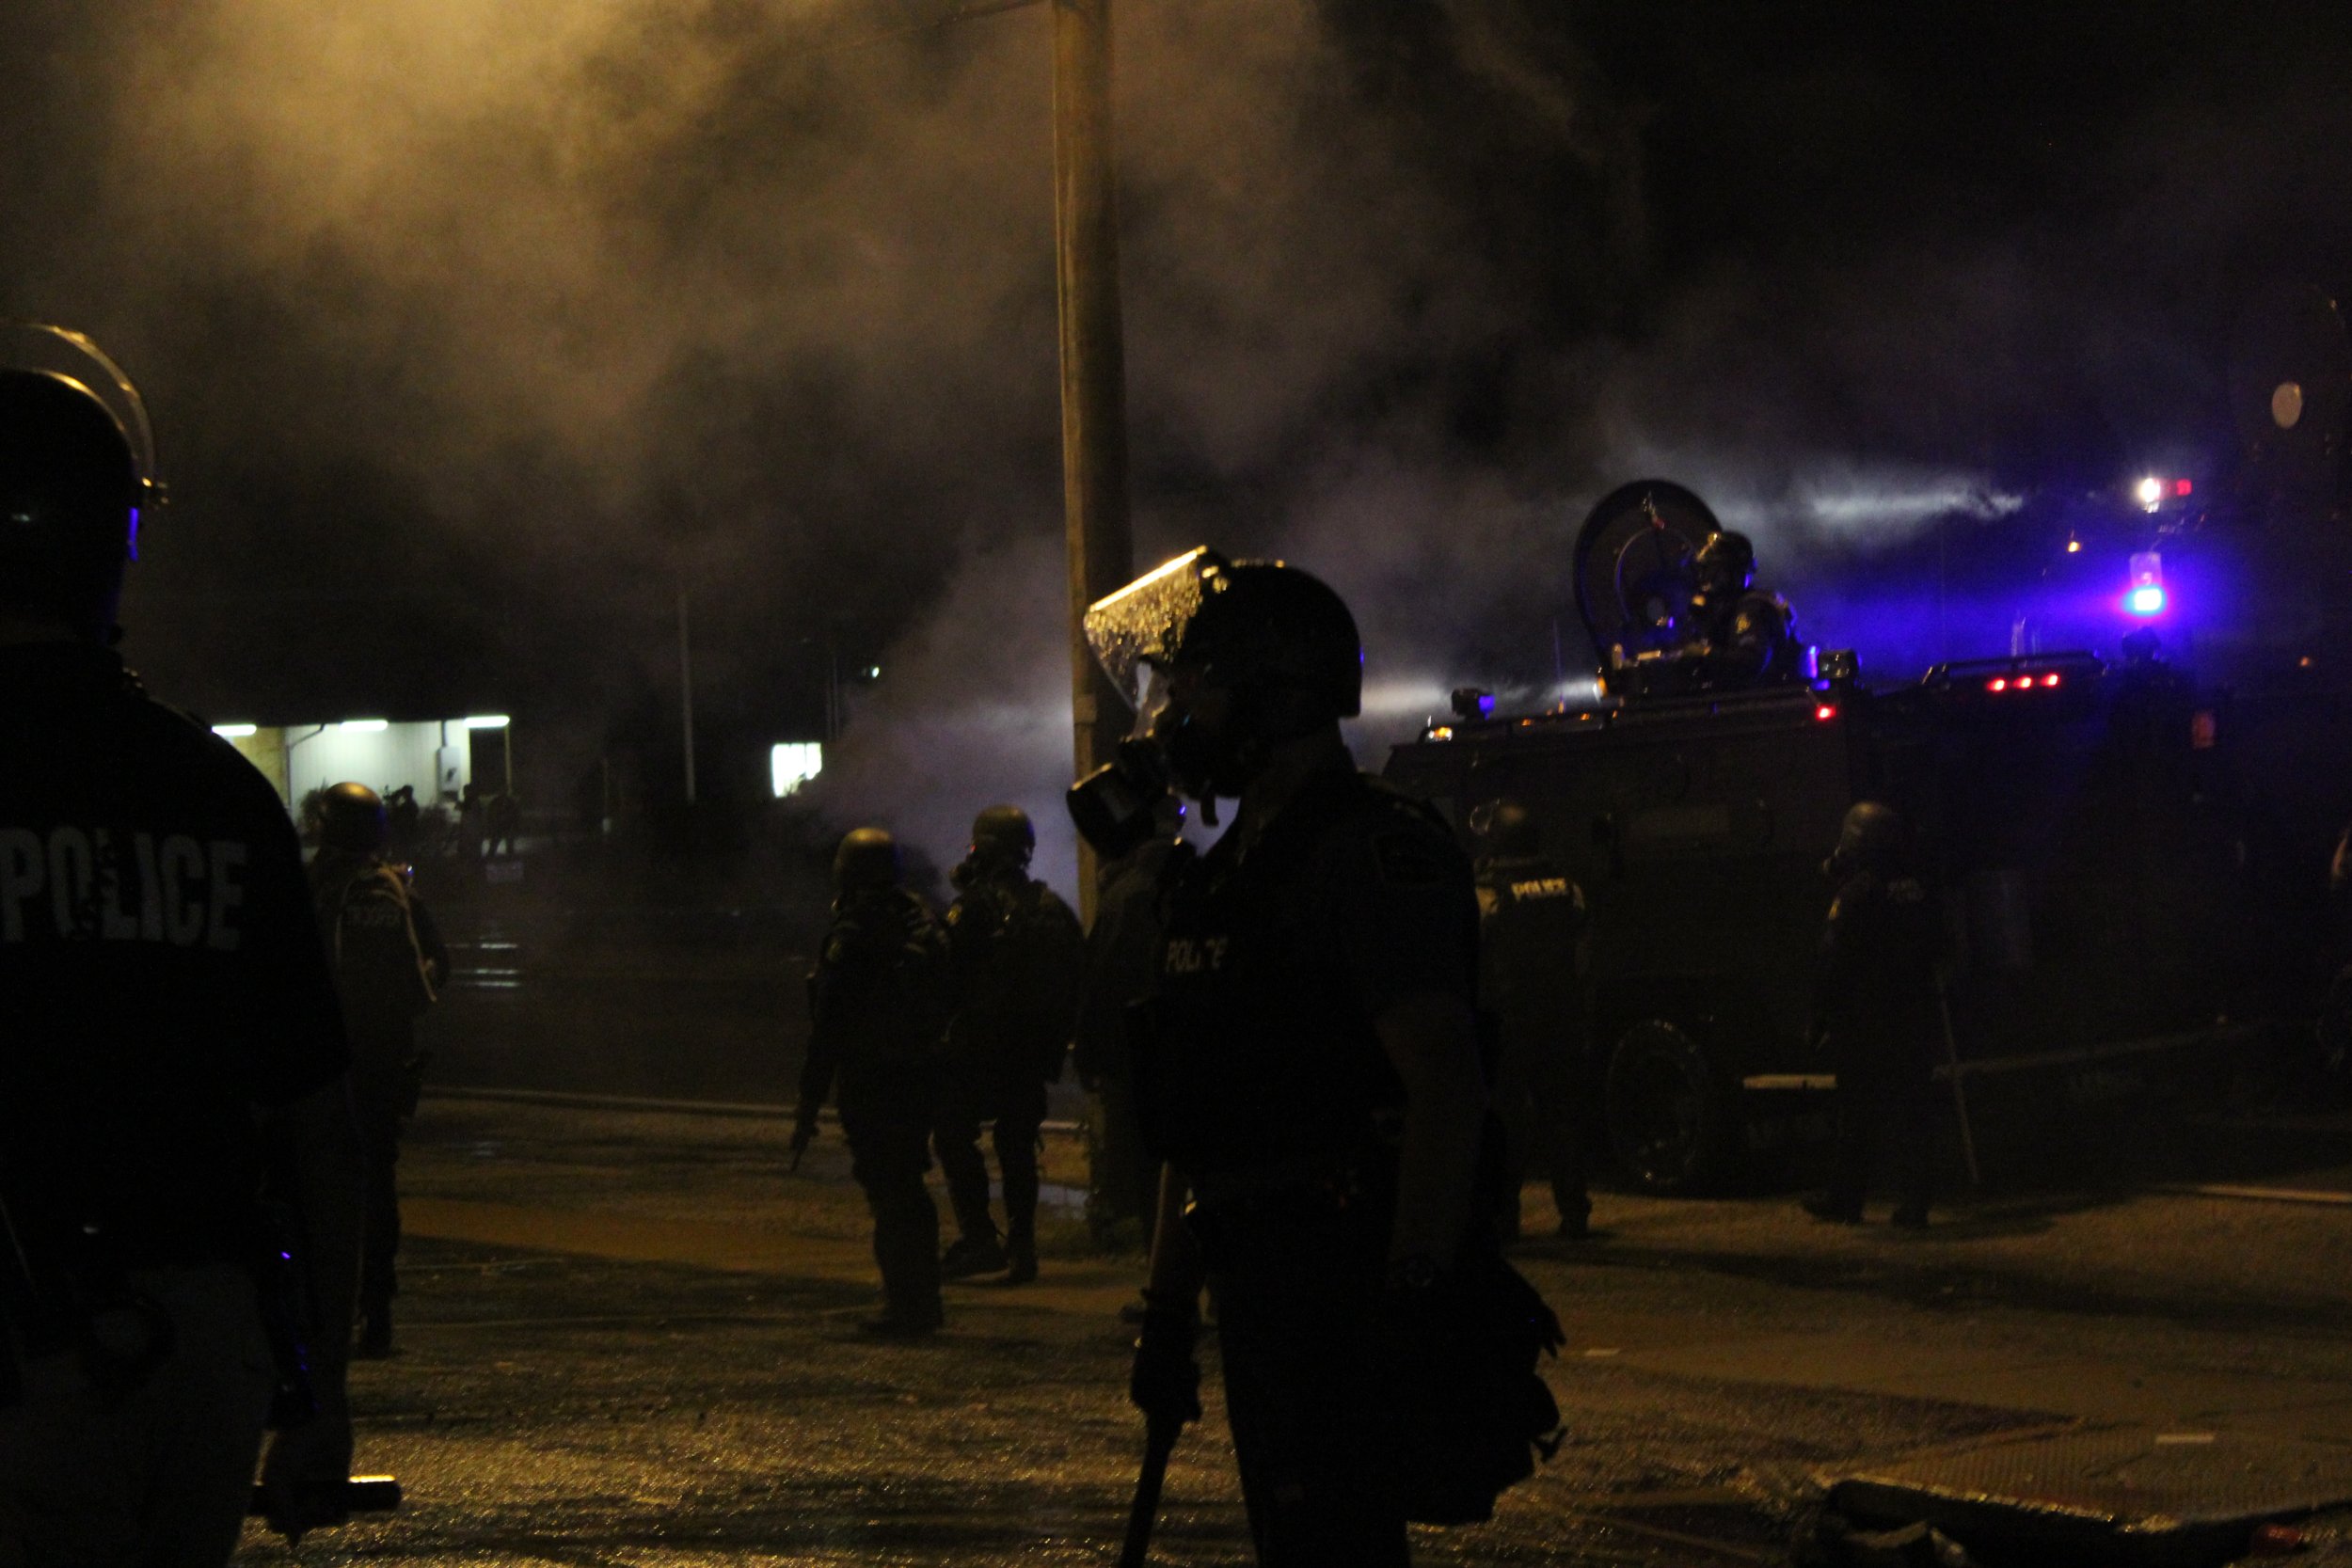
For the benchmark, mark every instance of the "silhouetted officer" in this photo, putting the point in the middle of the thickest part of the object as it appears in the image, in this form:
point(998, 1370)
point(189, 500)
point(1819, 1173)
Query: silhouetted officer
point(405, 821)
point(390, 962)
point(1019, 961)
point(1747, 636)
point(502, 818)
point(879, 1002)
point(472, 816)
point(1308, 1071)
point(1533, 947)
point(168, 1031)
point(1876, 1013)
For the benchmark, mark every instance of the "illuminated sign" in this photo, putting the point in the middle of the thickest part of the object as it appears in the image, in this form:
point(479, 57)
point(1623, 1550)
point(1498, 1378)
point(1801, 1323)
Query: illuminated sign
point(792, 764)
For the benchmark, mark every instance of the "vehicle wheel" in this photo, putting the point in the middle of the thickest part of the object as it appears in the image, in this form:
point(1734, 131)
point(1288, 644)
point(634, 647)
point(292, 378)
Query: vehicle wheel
point(1669, 1119)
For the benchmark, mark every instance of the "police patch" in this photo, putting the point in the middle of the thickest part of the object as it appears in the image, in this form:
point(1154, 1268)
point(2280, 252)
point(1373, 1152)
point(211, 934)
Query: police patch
point(1409, 860)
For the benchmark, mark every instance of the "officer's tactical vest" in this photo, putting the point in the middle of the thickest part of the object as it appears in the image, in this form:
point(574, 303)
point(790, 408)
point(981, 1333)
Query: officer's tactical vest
point(1021, 963)
point(1256, 1051)
point(369, 925)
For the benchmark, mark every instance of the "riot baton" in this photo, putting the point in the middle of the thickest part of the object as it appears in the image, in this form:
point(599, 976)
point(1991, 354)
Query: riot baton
point(361, 1494)
point(1960, 1090)
point(1159, 1441)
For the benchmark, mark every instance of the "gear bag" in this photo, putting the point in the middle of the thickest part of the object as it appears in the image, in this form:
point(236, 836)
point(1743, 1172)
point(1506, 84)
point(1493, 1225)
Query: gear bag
point(1466, 1411)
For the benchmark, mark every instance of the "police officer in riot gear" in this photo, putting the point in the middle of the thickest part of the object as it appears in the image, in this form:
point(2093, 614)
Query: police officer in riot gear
point(1747, 637)
point(390, 962)
point(1876, 1013)
point(171, 1033)
point(879, 999)
point(1018, 959)
point(1308, 1071)
point(1533, 950)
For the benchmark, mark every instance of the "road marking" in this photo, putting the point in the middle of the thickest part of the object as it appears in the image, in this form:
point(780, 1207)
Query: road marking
point(561, 1100)
point(2260, 1194)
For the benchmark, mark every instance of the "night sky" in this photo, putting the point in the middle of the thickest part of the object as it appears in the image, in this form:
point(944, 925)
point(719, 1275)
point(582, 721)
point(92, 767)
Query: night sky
point(474, 332)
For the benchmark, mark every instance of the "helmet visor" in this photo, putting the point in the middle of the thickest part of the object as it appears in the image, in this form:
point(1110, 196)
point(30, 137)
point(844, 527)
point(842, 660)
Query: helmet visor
point(1143, 624)
point(61, 352)
point(34, 346)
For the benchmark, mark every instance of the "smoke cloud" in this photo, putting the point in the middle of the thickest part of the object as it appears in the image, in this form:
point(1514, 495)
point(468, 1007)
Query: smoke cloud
point(475, 332)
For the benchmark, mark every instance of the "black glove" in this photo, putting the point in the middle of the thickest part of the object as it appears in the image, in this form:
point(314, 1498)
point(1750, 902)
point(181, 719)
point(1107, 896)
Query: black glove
point(1165, 1382)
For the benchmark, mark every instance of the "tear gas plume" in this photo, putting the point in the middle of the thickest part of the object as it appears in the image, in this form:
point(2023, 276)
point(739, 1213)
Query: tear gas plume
point(473, 330)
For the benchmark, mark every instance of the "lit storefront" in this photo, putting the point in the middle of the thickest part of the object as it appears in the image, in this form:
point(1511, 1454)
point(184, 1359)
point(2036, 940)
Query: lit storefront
point(432, 756)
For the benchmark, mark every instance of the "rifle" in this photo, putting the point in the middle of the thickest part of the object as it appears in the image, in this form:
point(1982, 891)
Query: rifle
point(1159, 1441)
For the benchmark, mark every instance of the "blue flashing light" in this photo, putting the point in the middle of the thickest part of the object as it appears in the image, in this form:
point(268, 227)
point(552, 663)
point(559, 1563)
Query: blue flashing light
point(2145, 597)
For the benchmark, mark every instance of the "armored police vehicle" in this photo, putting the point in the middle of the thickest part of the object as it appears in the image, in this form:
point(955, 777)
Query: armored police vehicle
point(2078, 818)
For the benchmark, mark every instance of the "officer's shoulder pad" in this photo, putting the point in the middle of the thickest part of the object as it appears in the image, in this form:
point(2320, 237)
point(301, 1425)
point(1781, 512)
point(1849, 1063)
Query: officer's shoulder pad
point(1411, 846)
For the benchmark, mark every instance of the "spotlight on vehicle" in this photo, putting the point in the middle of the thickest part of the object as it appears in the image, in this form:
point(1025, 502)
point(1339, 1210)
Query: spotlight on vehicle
point(2150, 493)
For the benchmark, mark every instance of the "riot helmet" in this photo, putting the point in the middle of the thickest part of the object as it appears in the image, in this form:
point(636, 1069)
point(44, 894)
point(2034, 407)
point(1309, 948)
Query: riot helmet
point(1507, 829)
point(1724, 564)
point(1277, 642)
point(352, 819)
point(1003, 835)
point(1874, 837)
point(867, 860)
point(76, 467)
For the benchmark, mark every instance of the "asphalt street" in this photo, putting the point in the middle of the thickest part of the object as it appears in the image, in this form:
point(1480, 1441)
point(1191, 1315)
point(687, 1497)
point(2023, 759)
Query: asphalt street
point(627, 1337)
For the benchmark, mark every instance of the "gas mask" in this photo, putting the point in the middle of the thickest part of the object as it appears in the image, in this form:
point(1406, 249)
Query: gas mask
point(1124, 804)
point(1223, 662)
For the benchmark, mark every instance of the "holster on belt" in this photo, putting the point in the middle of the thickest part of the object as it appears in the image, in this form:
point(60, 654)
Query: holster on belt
point(1243, 1220)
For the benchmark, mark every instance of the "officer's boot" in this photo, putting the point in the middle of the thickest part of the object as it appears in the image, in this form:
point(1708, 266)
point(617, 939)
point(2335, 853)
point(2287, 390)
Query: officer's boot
point(1017, 1154)
point(1021, 1251)
point(1576, 1211)
point(906, 1247)
point(976, 1249)
point(374, 1340)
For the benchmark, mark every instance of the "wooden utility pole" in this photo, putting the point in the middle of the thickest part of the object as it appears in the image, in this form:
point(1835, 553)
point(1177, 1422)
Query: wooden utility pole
point(686, 689)
point(1093, 368)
